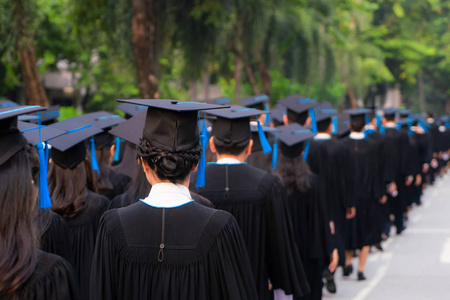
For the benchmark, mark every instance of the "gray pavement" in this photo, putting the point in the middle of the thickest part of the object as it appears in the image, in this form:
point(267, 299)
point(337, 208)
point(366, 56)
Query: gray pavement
point(413, 265)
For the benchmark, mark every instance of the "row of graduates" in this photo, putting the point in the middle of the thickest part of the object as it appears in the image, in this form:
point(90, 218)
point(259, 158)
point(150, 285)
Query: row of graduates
point(279, 238)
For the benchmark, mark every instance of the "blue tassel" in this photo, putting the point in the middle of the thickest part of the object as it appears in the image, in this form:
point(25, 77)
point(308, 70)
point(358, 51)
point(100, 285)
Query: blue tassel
point(46, 153)
point(117, 150)
point(263, 140)
point(44, 195)
point(367, 120)
point(267, 119)
point(334, 125)
point(399, 125)
point(312, 114)
point(378, 120)
point(410, 132)
point(94, 163)
point(422, 125)
point(382, 131)
point(201, 165)
point(306, 151)
point(275, 154)
point(447, 124)
point(365, 134)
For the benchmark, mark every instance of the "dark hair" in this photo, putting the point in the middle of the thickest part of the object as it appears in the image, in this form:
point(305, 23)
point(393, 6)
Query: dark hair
point(390, 117)
point(139, 188)
point(293, 173)
point(18, 238)
point(174, 166)
point(103, 159)
point(357, 123)
point(69, 188)
point(231, 150)
point(323, 126)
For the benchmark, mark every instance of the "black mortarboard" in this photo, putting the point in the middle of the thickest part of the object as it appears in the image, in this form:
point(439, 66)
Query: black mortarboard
point(219, 101)
point(170, 124)
point(131, 129)
point(31, 132)
point(130, 109)
point(11, 139)
point(48, 117)
point(390, 111)
point(404, 113)
point(358, 114)
point(103, 120)
point(297, 107)
point(69, 149)
point(231, 128)
point(342, 127)
point(324, 111)
point(292, 138)
point(257, 101)
point(277, 113)
point(7, 103)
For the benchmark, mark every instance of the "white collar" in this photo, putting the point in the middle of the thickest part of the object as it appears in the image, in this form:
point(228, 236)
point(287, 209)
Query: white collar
point(390, 125)
point(357, 135)
point(168, 195)
point(370, 126)
point(228, 161)
point(322, 136)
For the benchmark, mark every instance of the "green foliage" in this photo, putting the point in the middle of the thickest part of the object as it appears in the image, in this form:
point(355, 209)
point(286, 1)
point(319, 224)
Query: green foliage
point(67, 112)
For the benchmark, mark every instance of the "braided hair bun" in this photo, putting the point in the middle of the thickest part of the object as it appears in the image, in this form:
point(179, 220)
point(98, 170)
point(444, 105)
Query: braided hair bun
point(173, 166)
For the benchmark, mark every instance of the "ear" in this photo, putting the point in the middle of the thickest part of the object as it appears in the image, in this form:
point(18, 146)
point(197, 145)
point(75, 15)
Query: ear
point(145, 165)
point(285, 119)
point(248, 149)
point(112, 150)
point(308, 121)
point(211, 145)
point(195, 168)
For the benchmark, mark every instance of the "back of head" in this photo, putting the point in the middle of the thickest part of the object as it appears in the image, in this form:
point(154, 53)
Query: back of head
point(357, 123)
point(293, 173)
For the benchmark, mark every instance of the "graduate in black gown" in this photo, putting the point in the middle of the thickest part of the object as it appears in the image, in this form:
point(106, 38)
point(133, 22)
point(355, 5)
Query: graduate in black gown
point(307, 206)
point(367, 192)
point(399, 168)
point(330, 159)
point(167, 246)
point(73, 196)
point(26, 272)
point(257, 200)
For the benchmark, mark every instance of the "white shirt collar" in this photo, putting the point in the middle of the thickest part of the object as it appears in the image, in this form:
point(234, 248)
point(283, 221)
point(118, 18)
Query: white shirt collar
point(357, 135)
point(228, 161)
point(322, 136)
point(390, 125)
point(370, 126)
point(168, 195)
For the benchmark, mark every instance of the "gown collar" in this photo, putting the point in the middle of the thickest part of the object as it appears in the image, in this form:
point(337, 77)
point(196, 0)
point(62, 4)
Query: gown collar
point(228, 161)
point(357, 135)
point(168, 195)
point(390, 125)
point(322, 136)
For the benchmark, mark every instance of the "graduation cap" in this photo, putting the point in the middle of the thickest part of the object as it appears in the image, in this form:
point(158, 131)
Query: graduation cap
point(292, 140)
point(324, 111)
point(69, 149)
point(390, 111)
point(297, 107)
point(277, 113)
point(7, 103)
point(231, 127)
point(130, 109)
point(342, 127)
point(257, 101)
point(172, 125)
point(47, 117)
point(405, 113)
point(12, 141)
point(38, 133)
point(131, 129)
point(219, 101)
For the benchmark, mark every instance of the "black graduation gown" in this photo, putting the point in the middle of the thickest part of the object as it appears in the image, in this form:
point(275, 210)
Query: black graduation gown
point(128, 164)
point(260, 160)
point(312, 231)
point(330, 160)
point(368, 188)
point(83, 231)
point(258, 201)
point(56, 239)
point(119, 182)
point(204, 255)
point(53, 279)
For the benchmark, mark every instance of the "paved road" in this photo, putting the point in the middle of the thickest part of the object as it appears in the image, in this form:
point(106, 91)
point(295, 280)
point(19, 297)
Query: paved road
point(414, 265)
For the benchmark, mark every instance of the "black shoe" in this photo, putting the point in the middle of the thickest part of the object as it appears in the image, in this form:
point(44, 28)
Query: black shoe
point(361, 276)
point(331, 285)
point(378, 246)
point(348, 270)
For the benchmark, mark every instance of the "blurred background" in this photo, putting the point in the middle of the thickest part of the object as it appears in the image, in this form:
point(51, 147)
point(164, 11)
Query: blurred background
point(85, 54)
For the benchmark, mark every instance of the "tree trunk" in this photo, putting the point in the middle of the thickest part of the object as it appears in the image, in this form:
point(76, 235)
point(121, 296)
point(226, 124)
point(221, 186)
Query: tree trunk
point(252, 79)
point(34, 90)
point(237, 76)
point(352, 97)
point(143, 38)
point(265, 76)
point(206, 83)
point(193, 94)
point(421, 93)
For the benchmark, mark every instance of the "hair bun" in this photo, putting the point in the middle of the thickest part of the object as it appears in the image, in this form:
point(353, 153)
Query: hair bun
point(171, 165)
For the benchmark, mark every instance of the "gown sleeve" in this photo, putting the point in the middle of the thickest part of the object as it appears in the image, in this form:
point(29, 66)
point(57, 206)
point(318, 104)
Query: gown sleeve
point(284, 263)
